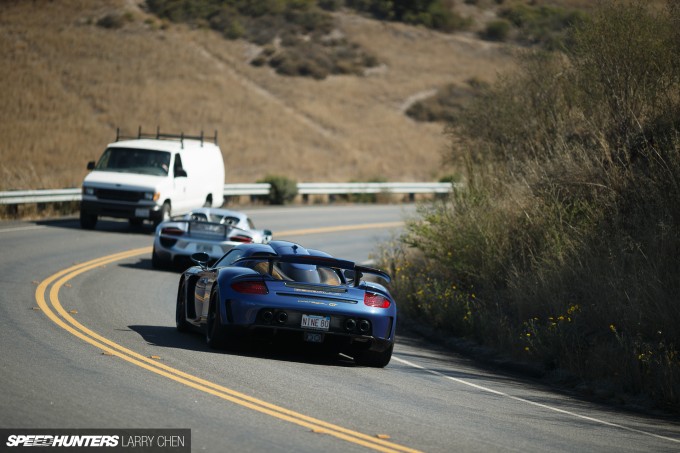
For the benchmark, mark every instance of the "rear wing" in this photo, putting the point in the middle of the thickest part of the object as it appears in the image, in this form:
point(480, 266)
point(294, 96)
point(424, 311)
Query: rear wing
point(216, 230)
point(324, 261)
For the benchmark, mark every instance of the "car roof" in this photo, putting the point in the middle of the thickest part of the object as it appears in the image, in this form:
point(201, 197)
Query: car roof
point(274, 248)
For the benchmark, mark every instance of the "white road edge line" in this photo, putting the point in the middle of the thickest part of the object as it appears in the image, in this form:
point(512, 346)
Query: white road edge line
point(34, 227)
point(544, 406)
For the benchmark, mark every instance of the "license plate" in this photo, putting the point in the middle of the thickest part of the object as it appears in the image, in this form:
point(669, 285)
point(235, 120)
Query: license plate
point(313, 337)
point(143, 213)
point(316, 322)
point(208, 228)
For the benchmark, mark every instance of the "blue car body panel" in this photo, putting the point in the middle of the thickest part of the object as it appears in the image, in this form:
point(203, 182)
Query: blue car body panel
point(282, 289)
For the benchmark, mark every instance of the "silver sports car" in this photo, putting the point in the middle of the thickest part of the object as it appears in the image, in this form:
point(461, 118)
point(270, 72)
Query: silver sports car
point(210, 230)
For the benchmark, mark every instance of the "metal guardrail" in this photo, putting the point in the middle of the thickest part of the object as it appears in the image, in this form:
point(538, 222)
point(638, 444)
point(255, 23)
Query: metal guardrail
point(325, 188)
point(304, 188)
point(40, 196)
point(260, 188)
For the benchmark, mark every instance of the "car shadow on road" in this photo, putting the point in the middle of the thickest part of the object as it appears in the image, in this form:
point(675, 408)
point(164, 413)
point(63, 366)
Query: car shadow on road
point(144, 264)
point(169, 337)
point(103, 226)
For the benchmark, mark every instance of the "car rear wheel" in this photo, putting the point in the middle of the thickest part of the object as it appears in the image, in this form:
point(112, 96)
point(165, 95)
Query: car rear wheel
point(373, 358)
point(157, 262)
point(181, 310)
point(214, 333)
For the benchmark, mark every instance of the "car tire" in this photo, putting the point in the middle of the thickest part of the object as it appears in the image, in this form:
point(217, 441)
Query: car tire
point(87, 221)
point(374, 359)
point(156, 261)
point(181, 310)
point(214, 332)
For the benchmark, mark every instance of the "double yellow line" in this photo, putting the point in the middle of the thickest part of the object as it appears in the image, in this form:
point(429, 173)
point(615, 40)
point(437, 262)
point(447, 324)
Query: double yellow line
point(63, 319)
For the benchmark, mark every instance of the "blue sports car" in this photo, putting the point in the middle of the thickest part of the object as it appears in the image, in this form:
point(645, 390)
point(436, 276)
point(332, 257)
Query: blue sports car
point(280, 291)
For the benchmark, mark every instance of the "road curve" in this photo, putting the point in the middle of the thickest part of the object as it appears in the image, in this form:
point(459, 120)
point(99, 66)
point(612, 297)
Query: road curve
point(87, 328)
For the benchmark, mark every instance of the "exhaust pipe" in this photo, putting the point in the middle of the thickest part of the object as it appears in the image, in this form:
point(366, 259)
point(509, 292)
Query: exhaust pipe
point(281, 317)
point(267, 316)
point(350, 324)
point(364, 326)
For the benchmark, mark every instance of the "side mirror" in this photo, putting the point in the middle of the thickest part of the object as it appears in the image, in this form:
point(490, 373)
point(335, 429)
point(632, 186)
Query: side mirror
point(180, 173)
point(267, 236)
point(90, 165)
point(201, 258)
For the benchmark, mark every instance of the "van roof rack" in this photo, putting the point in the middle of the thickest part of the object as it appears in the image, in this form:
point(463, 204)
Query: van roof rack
point(165, 136)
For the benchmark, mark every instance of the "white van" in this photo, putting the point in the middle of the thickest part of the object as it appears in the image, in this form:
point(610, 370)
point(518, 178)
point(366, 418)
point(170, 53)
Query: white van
point(151, 177)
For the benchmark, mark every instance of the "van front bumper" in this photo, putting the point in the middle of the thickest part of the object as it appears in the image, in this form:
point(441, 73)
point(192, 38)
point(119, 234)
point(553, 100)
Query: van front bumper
point(151, 212)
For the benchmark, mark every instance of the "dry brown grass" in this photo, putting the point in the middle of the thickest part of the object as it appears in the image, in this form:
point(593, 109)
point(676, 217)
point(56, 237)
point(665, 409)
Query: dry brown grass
point(68, 83)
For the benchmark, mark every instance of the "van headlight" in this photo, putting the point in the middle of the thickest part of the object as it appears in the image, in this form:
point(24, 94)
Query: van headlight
point(152, 196)
point(88, 190)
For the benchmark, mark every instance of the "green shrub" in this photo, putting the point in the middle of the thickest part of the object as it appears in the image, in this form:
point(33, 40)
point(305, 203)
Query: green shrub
point(283, 190)
point(497, 30)
point(113, 21)
point(303, 26)
point(435, 14)
point(447, 104)
point(331, 5)
point(545, 25)
point(318, 60)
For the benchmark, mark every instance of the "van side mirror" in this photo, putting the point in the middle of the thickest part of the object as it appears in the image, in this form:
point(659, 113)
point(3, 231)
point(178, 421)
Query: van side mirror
point(90, 165)
point(180, 172)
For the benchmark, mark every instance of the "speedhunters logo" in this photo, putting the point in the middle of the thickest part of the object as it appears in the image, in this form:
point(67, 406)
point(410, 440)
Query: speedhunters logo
point(114, 440)
point(46, 440)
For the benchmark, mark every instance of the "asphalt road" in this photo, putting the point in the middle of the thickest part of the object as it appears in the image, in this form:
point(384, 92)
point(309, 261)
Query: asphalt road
point(92, 344)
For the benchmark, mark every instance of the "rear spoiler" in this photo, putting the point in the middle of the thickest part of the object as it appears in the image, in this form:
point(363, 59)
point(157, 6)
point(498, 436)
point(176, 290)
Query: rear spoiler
point(219, 229)
point(319, 261)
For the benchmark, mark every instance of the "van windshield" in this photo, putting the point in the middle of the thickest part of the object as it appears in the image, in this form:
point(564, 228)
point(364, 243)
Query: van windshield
point(130, 160)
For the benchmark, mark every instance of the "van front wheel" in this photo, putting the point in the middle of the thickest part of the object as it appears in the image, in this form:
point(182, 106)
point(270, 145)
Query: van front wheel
point(164, 214)
point(208, 201)
point(87, 221)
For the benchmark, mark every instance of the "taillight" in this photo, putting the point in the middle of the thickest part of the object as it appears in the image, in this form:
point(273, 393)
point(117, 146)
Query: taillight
point(172, 231)
point(376, 300)
point(241, 238)
point(250, 287)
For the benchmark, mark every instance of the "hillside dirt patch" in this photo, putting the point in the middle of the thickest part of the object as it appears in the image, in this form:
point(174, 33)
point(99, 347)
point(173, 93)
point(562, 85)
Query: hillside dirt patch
point(69, 83)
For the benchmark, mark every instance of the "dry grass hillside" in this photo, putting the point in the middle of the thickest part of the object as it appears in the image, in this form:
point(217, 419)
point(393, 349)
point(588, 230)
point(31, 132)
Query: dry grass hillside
point(69, 83)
